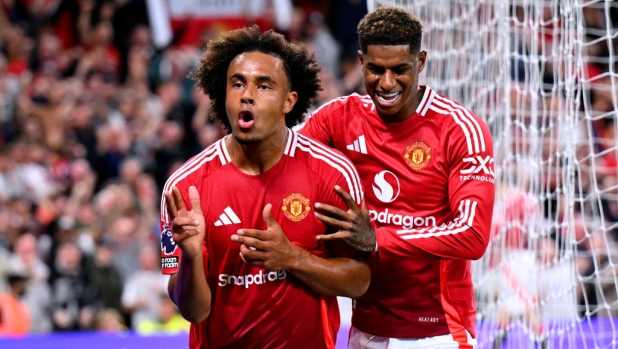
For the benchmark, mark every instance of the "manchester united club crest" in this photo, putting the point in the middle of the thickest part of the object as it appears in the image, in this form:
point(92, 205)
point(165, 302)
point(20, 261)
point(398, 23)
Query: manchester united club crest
point(417, 155)
point(296, 207)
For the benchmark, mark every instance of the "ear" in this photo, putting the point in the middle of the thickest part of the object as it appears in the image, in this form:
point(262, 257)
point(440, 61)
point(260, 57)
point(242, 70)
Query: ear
point(360, 58)
point(422, 58)
point(290, 101)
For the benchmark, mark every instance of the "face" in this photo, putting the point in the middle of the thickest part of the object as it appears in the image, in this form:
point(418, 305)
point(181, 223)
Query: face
point(391, 79)
point(257, 96)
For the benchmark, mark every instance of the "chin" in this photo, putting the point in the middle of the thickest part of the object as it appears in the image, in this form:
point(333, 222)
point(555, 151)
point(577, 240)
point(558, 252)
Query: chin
point(246, 140)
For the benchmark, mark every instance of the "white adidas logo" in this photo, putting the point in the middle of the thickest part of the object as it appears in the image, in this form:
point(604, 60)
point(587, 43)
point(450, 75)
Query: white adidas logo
point(227, 217)
point(359, 145)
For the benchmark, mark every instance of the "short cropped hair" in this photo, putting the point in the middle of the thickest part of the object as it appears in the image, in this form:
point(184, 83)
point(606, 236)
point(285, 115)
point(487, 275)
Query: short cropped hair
point(389, 25)
point(301, 69)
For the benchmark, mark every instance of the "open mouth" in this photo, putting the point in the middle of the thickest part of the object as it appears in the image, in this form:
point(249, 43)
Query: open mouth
point(245, 119)
point(388, 99)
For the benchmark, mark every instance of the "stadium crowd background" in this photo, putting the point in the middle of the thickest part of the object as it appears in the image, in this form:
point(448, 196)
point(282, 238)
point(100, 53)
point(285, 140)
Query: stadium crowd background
point(93, 119)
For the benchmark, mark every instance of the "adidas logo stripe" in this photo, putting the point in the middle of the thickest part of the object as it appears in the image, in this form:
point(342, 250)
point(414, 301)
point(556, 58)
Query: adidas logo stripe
point(227, 217)
point(359, 145)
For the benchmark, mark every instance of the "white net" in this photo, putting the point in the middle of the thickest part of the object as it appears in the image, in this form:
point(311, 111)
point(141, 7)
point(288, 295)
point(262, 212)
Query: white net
point(542, 73)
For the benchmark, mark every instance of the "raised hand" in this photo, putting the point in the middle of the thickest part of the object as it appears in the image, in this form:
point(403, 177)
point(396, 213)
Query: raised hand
point(188, 227)
point(354, 225)
point(269, 249)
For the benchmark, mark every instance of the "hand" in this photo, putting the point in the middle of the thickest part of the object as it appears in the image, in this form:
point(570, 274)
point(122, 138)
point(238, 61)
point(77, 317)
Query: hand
point(269, 249)
point(354, 225)
point(188, 227)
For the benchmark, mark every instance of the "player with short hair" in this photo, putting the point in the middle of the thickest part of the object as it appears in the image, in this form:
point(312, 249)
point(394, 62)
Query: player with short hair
point(427, 165)
point(239, 279)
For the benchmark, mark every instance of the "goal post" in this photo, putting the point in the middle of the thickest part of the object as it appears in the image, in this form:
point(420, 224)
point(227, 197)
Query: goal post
point(542, 74)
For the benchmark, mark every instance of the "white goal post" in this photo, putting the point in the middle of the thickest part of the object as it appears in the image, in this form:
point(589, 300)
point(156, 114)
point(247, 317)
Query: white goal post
point(542, 74)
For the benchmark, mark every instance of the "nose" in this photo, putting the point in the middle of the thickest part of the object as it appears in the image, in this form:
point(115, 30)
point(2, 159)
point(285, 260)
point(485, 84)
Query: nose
point(387, 81)
point(247, 97)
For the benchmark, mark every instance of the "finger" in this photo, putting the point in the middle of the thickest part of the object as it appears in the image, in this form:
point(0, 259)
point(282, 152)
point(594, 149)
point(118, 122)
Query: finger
point(347, 198)
point(256, 258)
point(334, 222)
point(332, 211)
point(170, 205)
point(252, 255)
point(185, 223)
point(364, 207)
point(183, 234)
point(268, 217)
point(253, 233)
point(194, 197)
point(247, 241)
point(342, 235)
point(180, 204)
point(241, 256)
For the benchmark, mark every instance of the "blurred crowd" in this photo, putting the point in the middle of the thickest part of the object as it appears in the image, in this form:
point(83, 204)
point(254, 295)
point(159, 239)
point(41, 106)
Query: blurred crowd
point(93, 119)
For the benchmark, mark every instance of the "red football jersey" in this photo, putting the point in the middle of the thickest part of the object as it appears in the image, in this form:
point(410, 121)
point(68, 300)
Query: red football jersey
point(429, 184)
point(252, 307)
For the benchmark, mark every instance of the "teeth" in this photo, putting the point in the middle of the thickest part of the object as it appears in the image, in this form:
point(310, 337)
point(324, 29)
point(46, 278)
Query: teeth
point(389, 95)
point(388, 98)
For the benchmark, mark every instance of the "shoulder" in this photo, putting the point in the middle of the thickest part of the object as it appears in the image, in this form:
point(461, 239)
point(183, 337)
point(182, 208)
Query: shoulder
point(453, 112)
point(199, 166)
point(350, 102)
point(459, 120)
point(315, 153)
point(329, 164)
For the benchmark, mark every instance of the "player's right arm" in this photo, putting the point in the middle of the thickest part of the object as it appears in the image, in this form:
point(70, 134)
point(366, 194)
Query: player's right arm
point(188, 288)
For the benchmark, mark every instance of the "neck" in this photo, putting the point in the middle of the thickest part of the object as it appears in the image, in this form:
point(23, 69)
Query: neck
point(257, 158)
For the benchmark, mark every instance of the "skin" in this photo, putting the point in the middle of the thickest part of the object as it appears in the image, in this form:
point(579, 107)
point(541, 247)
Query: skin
point(256, 83)
point(188, 287)
point(386, 69)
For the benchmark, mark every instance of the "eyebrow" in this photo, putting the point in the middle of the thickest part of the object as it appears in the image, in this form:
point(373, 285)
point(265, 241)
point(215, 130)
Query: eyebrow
point(259, 78)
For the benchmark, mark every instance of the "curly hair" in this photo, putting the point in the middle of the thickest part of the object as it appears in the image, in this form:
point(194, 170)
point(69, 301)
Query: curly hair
point(301, 69)
point(389, 25)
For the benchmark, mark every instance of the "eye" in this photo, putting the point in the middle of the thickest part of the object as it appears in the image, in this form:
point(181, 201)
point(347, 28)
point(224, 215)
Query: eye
point(375, 70)
point(237, 85)
point(263, 87)
point(399, 71)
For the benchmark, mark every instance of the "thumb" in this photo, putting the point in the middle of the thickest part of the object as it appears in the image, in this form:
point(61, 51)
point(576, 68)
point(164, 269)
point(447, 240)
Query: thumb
point(194, 198)
point(268, 217)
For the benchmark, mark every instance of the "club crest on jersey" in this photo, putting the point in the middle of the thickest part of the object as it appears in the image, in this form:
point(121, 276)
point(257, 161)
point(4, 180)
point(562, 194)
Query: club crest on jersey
point(417, 155)
point(168, 245)
point(296, 207)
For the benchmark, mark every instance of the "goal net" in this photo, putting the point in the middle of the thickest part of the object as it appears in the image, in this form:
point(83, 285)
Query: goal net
point(542, 73)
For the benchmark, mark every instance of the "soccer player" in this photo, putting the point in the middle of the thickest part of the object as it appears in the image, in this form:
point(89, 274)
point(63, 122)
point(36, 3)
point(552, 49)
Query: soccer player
point(427, 165)
point(240, 280)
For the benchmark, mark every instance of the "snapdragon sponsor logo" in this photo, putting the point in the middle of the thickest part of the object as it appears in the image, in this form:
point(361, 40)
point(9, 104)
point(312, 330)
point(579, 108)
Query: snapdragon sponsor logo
point(386, 186)
point(403, 220)
point(169, 262)
point(252, 279)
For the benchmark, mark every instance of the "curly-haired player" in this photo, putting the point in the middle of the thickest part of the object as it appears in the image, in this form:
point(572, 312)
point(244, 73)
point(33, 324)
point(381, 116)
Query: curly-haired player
point(429, 163)
point(237, 223)
point(211, 73)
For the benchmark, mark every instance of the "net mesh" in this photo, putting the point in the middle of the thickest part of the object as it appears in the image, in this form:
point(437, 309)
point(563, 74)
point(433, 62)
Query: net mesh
point(542, 73)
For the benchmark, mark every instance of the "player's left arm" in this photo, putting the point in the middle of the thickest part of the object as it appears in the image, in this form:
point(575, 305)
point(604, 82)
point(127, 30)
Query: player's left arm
point(471, 193)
